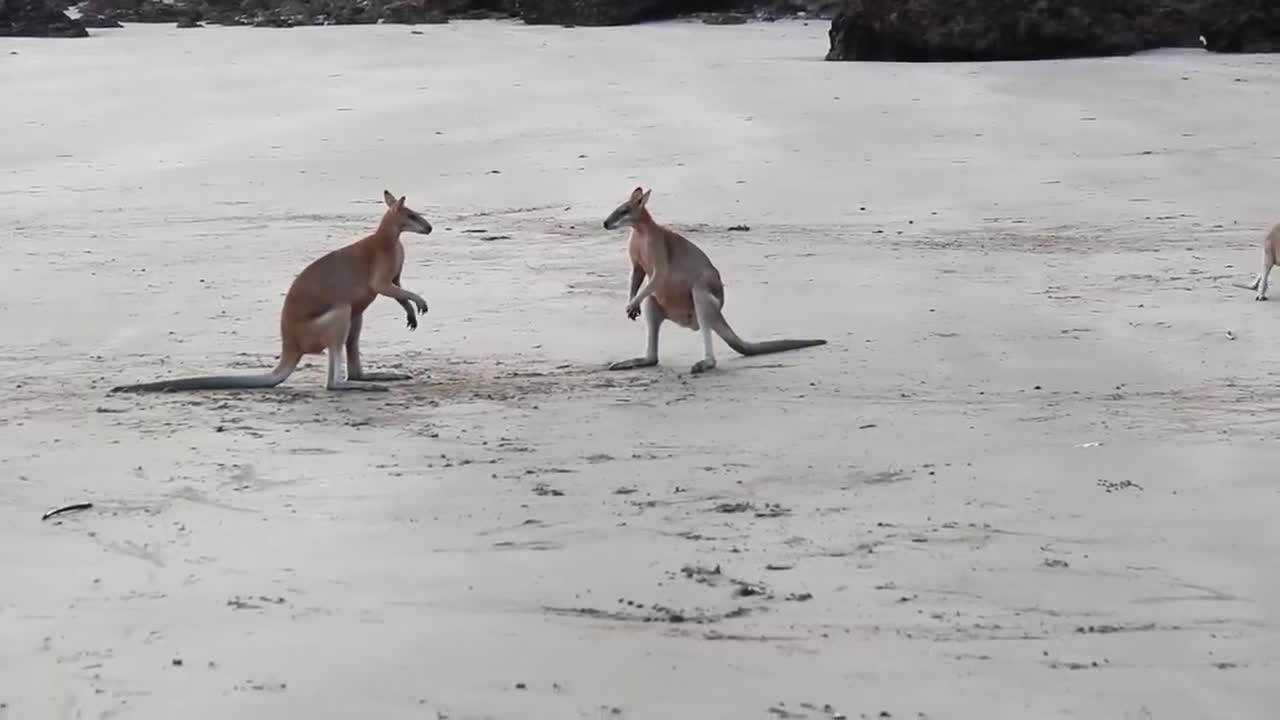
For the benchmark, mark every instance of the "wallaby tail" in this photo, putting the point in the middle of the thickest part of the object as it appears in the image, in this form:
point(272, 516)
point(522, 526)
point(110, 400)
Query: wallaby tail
point(742, 347)
point(288, 363)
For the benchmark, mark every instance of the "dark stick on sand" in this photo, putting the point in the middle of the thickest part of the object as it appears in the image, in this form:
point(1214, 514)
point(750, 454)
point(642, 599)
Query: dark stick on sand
point(66, 509)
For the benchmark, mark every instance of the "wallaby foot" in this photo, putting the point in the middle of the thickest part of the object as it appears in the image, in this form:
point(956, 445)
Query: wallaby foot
point(653, 318)
point(334, 381)
point(1260, 284)
point(633, 363)
point(355, 369)
point(379, 377)
point(707, 310)
point(1268, 262)
point(341, 385)
point(702, 366)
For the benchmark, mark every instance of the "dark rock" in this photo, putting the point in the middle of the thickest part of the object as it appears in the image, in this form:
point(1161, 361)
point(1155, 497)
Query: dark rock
point(724, 19)
point(596, 12)
point(1167, 23)
point(189, 22)
point(274, 19)
point(961, 30)
point(571, 13)
point(1241, 26)
point(411, 12)
point(97, 21)
point(37, 18)
point(139, 11)
point(973, 30)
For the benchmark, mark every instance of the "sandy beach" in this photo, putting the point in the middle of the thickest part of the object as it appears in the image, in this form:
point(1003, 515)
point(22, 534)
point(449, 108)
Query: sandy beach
point(1034, 474)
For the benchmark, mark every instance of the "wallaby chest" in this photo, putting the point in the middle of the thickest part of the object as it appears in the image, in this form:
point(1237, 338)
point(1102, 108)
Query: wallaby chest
point(387, 263)
point(640, 251)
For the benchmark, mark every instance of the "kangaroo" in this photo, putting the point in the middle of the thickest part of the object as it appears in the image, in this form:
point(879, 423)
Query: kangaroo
point(684, 287)
point(324, 310)
point(1270, 252)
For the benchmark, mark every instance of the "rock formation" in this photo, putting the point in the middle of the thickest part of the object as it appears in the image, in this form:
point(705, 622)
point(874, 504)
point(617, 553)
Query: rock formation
point(960, 30)
point(37, 18)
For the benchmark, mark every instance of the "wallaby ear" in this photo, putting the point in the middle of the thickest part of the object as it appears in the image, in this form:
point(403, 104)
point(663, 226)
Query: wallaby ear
point(635, 195)
point(388, 198)
point(645, 197)
point(400, 203)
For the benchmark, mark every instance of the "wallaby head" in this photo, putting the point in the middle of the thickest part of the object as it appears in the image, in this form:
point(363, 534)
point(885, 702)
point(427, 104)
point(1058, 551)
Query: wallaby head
point(631, 212)
point(400, 218)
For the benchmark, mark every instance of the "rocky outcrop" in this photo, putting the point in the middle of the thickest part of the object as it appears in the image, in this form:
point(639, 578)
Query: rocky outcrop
point(37, 18)
point(628, 12)
point(146, 11)
point(960, 30)
point(97, 21)
point(602, 12)
point(413, 12)
point(288, 13)
point(1241, 26)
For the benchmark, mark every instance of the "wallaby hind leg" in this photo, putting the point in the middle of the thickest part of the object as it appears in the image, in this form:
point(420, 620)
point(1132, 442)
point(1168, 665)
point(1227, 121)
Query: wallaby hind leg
point(333, 327)
point(708, 310)
point(653, 317)
point(1260, 282)
point(355, 370)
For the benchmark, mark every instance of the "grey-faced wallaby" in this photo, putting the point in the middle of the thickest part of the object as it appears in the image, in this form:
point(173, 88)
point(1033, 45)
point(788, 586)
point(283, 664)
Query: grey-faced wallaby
point(684, 287)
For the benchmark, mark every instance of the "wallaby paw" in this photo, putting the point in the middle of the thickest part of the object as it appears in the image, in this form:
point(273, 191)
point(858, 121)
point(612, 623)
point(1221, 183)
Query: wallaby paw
point(702, 366)
point(1260, 296)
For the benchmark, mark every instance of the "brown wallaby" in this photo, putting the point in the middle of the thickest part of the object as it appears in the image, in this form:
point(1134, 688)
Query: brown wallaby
point(684, 287)
point(324, 310)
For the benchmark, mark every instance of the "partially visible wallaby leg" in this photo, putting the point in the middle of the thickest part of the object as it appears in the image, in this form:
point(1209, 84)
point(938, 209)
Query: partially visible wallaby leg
point(355, 371)
point(653, 318)
point(707, 311)
point(334, 327)
point(1260, 282)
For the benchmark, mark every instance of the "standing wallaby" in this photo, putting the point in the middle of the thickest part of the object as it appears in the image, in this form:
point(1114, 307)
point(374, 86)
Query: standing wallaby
point(324, 310)
point(1270, 252)
point(684, 287)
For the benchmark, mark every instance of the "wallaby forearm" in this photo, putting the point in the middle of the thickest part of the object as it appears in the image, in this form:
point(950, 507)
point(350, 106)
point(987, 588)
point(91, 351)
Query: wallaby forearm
point(637, 277)
point(647, 290)
point(401, 295)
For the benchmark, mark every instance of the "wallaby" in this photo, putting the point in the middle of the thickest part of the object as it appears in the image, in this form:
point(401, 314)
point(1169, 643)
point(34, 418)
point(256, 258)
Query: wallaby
point(1270, 251)
point(324, 310)
point(684, 287)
